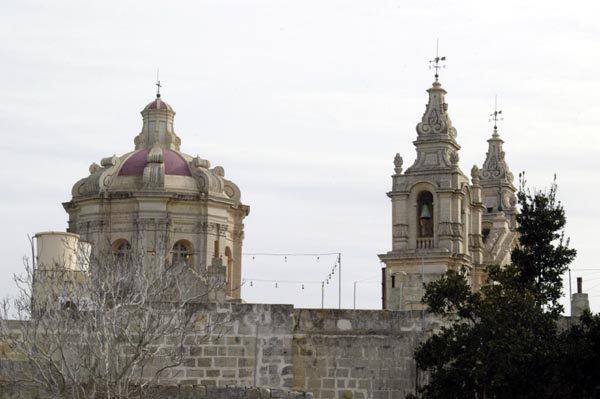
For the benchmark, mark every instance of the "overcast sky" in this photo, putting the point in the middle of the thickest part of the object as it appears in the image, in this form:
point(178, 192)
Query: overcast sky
point(304, 103)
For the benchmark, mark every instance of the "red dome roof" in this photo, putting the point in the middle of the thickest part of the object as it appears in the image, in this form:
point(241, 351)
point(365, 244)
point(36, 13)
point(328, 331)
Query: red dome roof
point(175, 164)
point(158, 103)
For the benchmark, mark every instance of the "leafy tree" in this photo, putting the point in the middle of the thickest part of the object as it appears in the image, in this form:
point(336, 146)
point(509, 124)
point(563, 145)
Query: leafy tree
point(578, 364)
point(504, 341)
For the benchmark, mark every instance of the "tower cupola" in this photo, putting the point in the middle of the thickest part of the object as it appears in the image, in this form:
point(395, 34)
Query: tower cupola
point(436, 143)
point(436, 123)
point(496, 178)
point(157, 128)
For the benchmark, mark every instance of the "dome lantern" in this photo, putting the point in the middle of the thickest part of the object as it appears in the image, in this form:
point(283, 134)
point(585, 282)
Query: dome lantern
point(157, 129)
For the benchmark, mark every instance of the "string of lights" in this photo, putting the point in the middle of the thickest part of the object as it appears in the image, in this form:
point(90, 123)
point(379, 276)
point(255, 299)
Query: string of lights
point(277, 282)
point(324, 281)
point(282, 281)
point(337, 266)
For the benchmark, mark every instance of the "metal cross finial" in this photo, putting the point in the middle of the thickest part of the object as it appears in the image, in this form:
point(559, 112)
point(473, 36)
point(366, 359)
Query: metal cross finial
point(496, 116)
point(435, 63)
point(158, 85)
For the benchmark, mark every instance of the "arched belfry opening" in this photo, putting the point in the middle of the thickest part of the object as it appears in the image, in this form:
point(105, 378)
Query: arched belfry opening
point(425, 214)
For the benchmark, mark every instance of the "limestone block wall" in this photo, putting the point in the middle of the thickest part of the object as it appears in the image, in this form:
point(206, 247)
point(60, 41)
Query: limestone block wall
point(330, 353)
point(237, 345)
point(357, 354)
point(348, 354)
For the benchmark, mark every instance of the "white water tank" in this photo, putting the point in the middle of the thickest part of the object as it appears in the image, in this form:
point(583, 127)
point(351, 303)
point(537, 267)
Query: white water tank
point(58, 251)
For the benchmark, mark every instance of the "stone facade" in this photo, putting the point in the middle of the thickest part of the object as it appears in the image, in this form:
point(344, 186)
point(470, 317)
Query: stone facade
point(442, 221)
point(331, 353)
point(351, 354)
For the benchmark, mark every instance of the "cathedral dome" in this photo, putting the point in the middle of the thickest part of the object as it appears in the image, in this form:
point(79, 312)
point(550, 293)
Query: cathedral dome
point(174, 163)
point(157, 199)
point(156, 165)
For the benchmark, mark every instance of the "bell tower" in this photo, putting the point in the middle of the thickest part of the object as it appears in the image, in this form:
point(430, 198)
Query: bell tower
point(498, 224)
point(436, 213)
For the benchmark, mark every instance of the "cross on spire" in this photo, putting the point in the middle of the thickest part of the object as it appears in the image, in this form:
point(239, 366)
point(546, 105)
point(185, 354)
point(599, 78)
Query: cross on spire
point(435, 63)
point(496, 116)
point(158, 85)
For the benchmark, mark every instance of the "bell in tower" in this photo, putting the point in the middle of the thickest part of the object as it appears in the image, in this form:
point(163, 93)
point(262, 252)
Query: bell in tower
point(425, 215)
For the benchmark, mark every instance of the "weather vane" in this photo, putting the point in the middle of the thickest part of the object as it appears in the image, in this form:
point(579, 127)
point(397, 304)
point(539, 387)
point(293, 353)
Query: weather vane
point(158, 85)
point(496, 116)
point(435, 63)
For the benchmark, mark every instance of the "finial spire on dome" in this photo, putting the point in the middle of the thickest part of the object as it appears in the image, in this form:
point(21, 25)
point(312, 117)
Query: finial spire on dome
point(435, 63)
point(157, 129)
point(158, 85)
point(496, 116)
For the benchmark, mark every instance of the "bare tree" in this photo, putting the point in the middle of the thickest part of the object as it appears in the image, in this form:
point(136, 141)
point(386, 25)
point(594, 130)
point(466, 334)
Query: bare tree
point(111, 329)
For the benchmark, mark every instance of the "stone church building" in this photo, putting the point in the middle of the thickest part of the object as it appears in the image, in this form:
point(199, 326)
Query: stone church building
point(441, 220)
point(158, 201)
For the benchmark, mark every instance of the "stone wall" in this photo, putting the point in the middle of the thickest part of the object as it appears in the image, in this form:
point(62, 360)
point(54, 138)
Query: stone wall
point(329, 353)
point(238, 345)
point(356, 354)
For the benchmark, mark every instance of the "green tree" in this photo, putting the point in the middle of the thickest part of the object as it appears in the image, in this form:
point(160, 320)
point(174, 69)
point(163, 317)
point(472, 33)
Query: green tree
point(578, 364)
point(504, 340)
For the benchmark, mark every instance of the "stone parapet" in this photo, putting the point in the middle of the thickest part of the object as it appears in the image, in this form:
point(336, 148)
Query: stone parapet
point(289, 352)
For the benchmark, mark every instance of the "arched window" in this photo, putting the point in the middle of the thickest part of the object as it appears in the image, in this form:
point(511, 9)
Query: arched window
point(181, 252)
point(425, 214)
point(121, 248)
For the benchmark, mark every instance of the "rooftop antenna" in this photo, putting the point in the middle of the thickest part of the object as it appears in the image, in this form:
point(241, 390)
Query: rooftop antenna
point(158, 85)
point(435, 63)
point(496, 116)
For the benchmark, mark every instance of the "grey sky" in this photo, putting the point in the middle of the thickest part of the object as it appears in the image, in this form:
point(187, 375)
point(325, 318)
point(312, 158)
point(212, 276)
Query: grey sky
point(305, 104)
